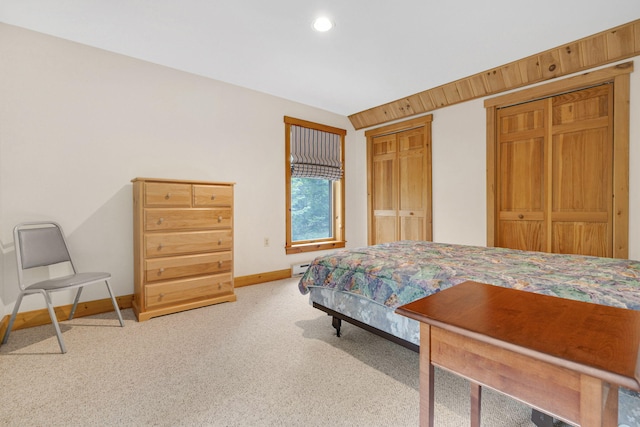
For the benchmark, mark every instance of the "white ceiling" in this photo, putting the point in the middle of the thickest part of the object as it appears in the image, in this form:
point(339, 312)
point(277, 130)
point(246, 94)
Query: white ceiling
point(379, 51)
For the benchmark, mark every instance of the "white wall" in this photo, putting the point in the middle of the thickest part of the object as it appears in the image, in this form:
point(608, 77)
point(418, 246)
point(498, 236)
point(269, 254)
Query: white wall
point(459, 174)
point(79, 123)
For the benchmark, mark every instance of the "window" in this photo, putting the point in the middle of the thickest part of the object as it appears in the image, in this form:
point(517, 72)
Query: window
point(314, 176)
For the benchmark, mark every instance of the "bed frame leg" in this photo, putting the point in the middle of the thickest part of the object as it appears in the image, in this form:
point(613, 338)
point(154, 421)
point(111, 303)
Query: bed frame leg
point(336, 323)
point(541, 419)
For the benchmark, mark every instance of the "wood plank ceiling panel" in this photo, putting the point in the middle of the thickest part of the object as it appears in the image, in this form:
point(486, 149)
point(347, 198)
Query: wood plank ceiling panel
point(599, 49)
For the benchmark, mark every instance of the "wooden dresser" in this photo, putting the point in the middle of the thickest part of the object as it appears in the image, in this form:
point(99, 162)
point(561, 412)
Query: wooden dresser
point(183, 245)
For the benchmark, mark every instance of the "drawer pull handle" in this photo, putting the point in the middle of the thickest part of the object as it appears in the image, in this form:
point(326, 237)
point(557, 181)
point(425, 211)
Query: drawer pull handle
point(219, 263)
point(219, 241)
point(220, 218)
point(168, 196)
point(161, 296)
point(213, 197)
point(160, 221)
point(160, 247)
point(520, 216)
point(161, 271)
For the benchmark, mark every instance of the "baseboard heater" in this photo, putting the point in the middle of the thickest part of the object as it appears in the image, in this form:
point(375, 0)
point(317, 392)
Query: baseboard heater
point(299, 269)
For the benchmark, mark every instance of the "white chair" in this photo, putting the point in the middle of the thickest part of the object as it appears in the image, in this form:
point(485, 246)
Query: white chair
point(41, 244)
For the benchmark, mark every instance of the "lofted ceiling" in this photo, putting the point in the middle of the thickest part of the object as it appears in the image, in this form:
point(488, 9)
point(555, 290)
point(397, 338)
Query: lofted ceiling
point(379, 50)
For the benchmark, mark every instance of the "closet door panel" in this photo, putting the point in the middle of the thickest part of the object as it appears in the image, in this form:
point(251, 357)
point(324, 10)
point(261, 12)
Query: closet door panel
point(582, 173)
point(412, 184)
point(583, 105)
point(386, 227)
point(411, 228)
point(411, 170)
point(521, 168)
point(523, 235)
point(585, 238)
point(582, 169)
point(519, 119)
point(522, 175)
point(385, 194)
point(384, 176)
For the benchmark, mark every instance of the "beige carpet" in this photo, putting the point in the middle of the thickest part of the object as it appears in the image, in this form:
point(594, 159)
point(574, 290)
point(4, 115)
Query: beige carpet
point(268, 359)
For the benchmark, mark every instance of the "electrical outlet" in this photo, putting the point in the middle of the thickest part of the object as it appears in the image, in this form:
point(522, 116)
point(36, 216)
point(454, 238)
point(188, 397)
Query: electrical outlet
point(266, 242)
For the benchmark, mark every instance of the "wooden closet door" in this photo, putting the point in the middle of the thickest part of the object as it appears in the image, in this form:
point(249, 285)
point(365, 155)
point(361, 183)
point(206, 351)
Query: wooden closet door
point(582, 172)
point(384, 187)
point(399, 182)
point(555, 174)
point(521, 166)
point(412, 180)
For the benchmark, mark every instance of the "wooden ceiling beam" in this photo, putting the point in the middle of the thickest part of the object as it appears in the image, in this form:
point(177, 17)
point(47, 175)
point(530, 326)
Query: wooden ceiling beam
point(609, 46)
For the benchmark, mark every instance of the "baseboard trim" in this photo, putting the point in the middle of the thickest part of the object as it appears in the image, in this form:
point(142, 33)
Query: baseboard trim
point(40, 317)
point(29, 319)
point(255, 279)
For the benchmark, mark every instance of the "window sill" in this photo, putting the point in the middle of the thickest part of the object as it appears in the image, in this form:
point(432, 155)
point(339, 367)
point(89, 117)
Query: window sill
point(316, 246)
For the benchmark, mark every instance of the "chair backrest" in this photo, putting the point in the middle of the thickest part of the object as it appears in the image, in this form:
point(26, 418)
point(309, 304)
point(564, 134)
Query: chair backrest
point(39, 244)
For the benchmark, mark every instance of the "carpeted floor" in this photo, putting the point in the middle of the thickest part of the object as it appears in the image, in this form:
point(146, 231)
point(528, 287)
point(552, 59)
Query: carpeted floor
point(268, 359)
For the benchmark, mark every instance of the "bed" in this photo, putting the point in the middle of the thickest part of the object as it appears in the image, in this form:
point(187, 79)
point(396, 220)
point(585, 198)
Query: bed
point(364, 286)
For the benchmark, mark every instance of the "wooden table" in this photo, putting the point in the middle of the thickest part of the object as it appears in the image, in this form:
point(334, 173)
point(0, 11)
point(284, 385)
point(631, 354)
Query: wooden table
point(566, 358)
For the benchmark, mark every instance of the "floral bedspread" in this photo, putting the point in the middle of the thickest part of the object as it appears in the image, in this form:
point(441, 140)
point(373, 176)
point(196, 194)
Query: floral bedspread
point(393, 274)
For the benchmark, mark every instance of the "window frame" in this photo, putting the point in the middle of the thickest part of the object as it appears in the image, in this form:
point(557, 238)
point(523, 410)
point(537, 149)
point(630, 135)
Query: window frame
point(338, 192)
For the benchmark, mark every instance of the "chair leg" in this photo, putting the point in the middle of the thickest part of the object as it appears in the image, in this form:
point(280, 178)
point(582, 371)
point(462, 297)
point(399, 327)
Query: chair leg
point(54, 320)
point(115, 303)
point(13, 318)
point(75, 303)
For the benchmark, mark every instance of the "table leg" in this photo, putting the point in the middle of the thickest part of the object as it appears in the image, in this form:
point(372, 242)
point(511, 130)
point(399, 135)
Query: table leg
point(598, 402)
point(476, 400)
point(611, 407)
point(426, 377)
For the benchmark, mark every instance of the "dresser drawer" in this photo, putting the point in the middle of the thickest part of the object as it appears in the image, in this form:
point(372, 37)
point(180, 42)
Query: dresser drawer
point(167, 244)
point(186, 219)
point(212, 195)
point(165, 194)
point(181, 291)
point(185, 266)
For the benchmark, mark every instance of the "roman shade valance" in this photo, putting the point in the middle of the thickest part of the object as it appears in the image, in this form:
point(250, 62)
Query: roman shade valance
point(315, 154)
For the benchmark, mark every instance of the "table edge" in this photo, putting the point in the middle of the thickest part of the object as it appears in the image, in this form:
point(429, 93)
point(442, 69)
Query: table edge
point(609, 377)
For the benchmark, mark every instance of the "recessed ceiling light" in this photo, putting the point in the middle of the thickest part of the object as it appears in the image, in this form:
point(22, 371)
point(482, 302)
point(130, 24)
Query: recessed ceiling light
point(322, 24)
